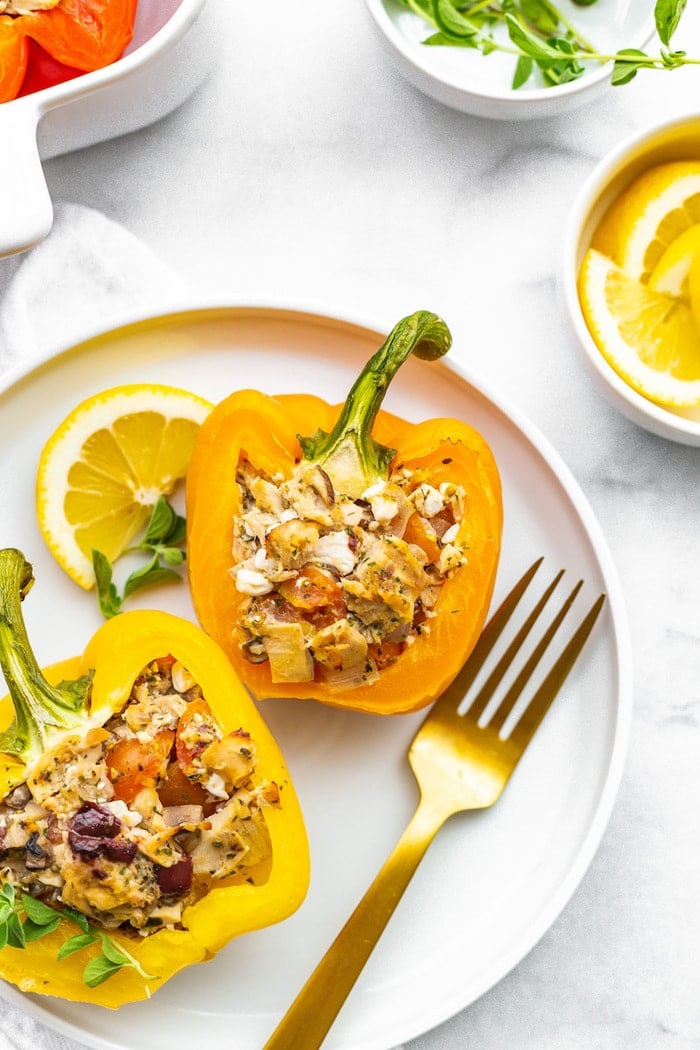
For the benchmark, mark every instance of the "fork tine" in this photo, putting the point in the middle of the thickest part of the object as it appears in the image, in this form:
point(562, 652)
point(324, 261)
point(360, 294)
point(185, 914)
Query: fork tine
point(523, 677)
point(478, 705)
point(539, 705)
point(449, 700)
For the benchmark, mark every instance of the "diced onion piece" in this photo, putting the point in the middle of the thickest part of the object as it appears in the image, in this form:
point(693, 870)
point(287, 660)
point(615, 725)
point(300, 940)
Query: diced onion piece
point(289, 659)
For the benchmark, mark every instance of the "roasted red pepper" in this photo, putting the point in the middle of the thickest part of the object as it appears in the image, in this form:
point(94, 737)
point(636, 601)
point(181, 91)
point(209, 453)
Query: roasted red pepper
point(45, 47)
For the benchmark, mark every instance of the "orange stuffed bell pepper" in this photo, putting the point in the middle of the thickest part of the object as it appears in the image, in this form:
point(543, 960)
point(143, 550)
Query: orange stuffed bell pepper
point(355, 566)
point(146, 814)
point(76, 35)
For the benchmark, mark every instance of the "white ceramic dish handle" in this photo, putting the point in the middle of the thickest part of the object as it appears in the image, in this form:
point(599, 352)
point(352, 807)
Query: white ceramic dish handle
point(26, 214)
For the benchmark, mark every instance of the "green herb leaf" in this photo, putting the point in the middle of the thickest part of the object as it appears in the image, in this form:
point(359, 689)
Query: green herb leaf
point(114, 953)
point(16, 934)
point(627, 63)
point(667, 15)
point(178, 533)
point(98, 970)
point(163, 523)
point(75, 944)
point(527, 42)
point(171, 555)
point(34, 931)
point(442, 40)
point(541, 15)
point(148, 576)
point(538, 30)
point(165, 531)
point(672, 59)
point(451, 22)
point(523, 71)
point(107, 595)
point(111, 959)
point(78, 918)
point(38, 912)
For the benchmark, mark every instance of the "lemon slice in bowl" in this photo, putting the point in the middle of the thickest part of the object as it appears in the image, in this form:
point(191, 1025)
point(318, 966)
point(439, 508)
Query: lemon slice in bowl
point(656, 208)
point(106, 465)
point(651, 340)
point(671, 275)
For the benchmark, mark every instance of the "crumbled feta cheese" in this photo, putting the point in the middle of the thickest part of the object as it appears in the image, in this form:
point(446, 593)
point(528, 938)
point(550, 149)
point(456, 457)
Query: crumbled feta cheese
point(250, 581)
point(333, 549)
point(216, 786)
point(427, 501)
point(129, 817)
point(383, 509)
point(374, 490)
point(352, 513)
point(262, 563)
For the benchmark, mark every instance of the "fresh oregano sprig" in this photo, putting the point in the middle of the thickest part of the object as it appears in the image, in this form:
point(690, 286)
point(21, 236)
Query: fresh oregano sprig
point(539, 36)
point(162, 540)
point(24, 919)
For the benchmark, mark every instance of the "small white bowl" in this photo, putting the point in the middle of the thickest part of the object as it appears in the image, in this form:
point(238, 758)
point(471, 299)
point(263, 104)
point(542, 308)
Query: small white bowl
point(677, 139)
point(171, 52)
point(481, 85)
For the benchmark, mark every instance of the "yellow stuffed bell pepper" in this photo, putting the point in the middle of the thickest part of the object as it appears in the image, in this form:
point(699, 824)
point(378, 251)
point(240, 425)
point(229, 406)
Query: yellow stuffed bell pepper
point(146, 813)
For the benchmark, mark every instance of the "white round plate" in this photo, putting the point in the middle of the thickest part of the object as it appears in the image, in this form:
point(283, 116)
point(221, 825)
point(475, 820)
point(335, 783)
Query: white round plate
point(466, 80)
point(492, 882)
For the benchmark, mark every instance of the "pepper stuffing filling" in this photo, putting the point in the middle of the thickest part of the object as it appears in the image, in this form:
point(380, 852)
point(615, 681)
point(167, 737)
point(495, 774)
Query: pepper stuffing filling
point(336, 588)
point(131, 821)
point(15, 8)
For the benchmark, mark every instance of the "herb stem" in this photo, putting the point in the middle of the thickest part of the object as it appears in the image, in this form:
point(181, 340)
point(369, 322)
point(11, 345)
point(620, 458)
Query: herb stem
point(469, 10)
point(543, 37)
point(574, 33)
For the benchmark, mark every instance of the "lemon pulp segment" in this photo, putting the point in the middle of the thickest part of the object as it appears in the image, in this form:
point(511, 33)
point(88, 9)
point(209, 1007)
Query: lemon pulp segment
point(655, 209)
point(651, 340)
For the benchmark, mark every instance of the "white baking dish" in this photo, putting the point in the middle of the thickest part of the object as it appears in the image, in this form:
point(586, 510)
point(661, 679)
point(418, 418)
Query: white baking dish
point(170, 53)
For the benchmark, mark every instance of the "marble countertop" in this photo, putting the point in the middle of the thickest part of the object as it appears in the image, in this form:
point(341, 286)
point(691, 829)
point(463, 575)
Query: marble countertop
point(306, 167)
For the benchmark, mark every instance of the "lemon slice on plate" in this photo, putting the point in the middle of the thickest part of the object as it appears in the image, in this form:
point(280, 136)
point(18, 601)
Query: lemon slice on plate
point(106, 465)
point(651, 340)
point(655, 209)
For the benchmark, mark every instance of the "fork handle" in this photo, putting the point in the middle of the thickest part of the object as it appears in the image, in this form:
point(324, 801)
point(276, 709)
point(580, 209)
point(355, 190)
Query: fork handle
point(306, 1023)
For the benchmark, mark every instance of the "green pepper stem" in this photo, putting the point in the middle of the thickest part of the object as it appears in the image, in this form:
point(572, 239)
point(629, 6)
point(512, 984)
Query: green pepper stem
point(38, 705)
point(349, 454)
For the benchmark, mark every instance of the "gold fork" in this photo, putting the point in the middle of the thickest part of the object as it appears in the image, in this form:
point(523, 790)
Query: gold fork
point(462, 761)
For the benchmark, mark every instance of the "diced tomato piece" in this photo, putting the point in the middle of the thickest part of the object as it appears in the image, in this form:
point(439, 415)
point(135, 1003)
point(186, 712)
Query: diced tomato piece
point(179, 790)
point(314, 589)
point(133, 765)
point(384, 653)
point(166, 661)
